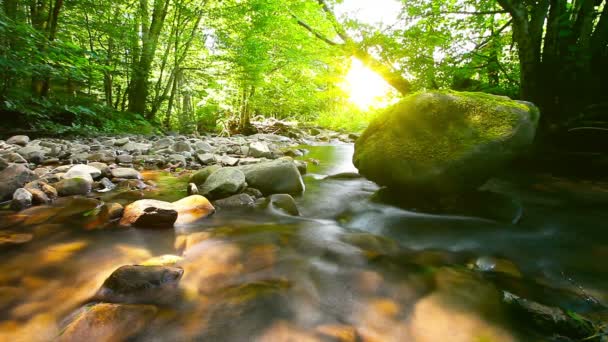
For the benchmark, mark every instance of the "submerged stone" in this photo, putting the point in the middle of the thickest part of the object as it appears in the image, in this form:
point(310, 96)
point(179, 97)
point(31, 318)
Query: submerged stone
point(149, 213)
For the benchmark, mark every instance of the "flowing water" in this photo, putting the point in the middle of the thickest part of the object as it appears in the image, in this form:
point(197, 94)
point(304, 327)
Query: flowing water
point(346, 269)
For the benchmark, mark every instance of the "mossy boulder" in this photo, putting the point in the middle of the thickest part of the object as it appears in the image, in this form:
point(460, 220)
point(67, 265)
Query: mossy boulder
point(444, 142)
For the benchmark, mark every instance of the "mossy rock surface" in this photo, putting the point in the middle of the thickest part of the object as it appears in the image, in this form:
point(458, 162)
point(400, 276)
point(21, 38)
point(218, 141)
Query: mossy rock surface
point(444, 142)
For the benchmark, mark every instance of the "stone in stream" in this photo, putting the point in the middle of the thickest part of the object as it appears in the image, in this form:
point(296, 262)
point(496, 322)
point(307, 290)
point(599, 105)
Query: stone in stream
point(20, 140)
point(236, 201)
point(277, 176)
point(42, 192)
point(108, 322)
point(192, 189)
point(22, 199)
point(206, 158)
point(104, 185)
point(8, 238)
point(137, 284)
point(203, 146)
point(149, 214)
point(182, 146)
point(115, 211)
point(124, 159)
point(121, 142)
point(125, 173)
point(192, 208)
point(259, 149)
point(201, 176)
point(223, 183)
point(82, 170)
point(283, 202)
point(12, 178)
point(74, 186)
point(444, 142)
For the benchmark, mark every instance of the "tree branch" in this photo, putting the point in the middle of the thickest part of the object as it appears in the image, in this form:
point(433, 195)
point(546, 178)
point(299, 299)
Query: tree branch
point(474, 12)
point(315, 32)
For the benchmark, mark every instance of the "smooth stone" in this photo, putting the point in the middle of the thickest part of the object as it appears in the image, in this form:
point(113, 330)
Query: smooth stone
point(236, 201)
point(20, 140)
point(42, 192)
point(192, 189)
point(285, 203)
point(115, 211)
point(274, 177)
point(105, 185)
point(3, 164)
point(74, 186)
point(124, 159)
point(121, 142)
point(201, 176)
point(149, 213)
point(83, 170)
point(192, 209)
point(137, 284)
point(182, 146)
point(259, 149)
point(8, 238)
point(223, 183)
point(12, 178)
point(226, 160)
point(22, 199)
point(206, 158)
point(125, 173)
point(163, 143)
point(203, 146)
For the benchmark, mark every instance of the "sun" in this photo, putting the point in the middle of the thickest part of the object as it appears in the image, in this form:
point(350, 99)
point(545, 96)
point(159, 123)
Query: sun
point(365, 88)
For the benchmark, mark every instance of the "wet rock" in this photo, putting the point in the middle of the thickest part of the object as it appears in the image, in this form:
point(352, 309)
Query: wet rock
point(103, 167)
point(206, 158)
point(338, 333)
point(125, 173)
point(108, 322)
point(82, 170)
point(236, 201)
point(74, 186)
point(105, 185)
point(302, 166)
point(42, 192)
point(182, 146)
point(12, 178)
point(139, 148)
point(3, 164)
point(22, 199)
point(163, 260)
point(121, 142)
point(192, 209)
point(20, 140)
point(223, 183)
point(253, 192)
point(149, 213)
point(284, 202)
point(492, 264)
point(124, 159)
point(115, 211)
point(203, 146)
point(259, 149)
point(178, 159)
point(226, 160)
point(192, 189)
point(201, 176)
point(552, 320)
point(15, 158)
point(283, 331)
point(32, 153)
point(137, 284)
point(444, 142)
point(278, 176)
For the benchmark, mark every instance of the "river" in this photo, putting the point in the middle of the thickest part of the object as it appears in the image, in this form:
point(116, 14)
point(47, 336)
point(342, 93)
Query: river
point(346, 269)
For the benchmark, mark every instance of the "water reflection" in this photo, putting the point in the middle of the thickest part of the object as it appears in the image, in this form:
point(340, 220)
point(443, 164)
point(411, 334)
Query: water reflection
point(345, 270)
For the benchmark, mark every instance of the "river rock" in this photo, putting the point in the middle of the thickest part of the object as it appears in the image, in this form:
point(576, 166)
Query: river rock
point(12, 178)
point(284, 202)
point(121, 142)
point(259, 149)
point(124, 159)
point(136, 284)
point(223, 183)
point(203, 147)
point(74, 186)
point(442, 142)
point(32, 153)
point(192, 189)
point(201, 176)
point(133, 147)
point(125, 173)
point(82, 170)
point(277, 176)
point(20, 140)
point(3, 164)
point(115, 210)
point(22, 199)
point(149, 213)
point(182, 146)
point(192, 208)
point(206, 158)
point(108, 322)
point(42, 192)
point(236, 201)
point(163, 143)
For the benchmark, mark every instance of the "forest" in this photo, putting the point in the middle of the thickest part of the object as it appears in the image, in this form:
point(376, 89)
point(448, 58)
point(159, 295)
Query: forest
point(303, 170)
point(190, 66)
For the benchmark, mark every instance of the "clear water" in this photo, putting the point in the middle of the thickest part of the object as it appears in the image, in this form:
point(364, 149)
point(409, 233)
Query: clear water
point(346, 269)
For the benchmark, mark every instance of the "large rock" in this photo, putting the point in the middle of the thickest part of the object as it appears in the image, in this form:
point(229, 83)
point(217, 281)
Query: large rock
point(223, 183)
point(20, 140)
point(13, 178)
point(149, 213)
point(125, 173)
point(444, 142)
point(192, 209)
point(82, 170)
point(136, 284)
point(259, 149)
point(277, 176)
point(22, 199)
